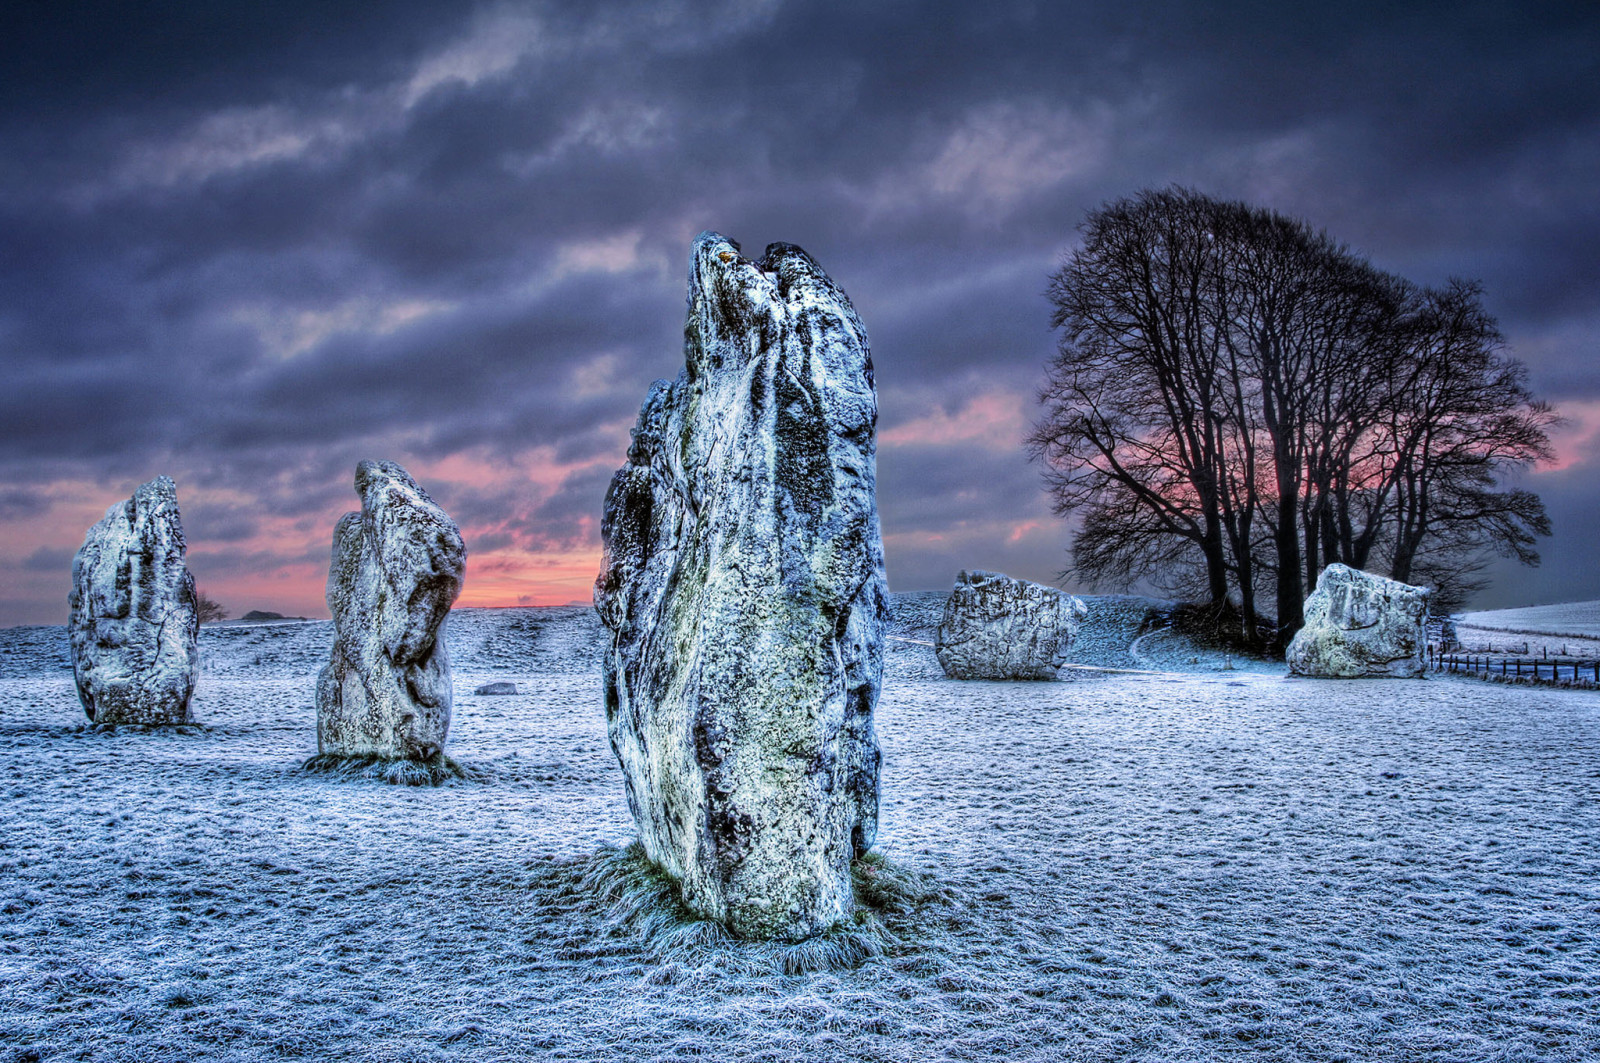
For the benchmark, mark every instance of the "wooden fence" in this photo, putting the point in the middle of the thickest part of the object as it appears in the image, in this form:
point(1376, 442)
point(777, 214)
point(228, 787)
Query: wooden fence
point(1536, 669)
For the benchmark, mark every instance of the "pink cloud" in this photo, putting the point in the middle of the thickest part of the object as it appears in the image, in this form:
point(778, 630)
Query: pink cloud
point(281, 562)
point(1578, 441)
point(995, 420)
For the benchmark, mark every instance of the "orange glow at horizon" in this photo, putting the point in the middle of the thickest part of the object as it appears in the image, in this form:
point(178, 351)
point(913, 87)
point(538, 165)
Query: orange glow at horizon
point(247, 555)
point(503, 579)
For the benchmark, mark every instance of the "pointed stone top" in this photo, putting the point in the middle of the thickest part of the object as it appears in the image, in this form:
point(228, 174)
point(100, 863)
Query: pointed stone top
point(386, 474)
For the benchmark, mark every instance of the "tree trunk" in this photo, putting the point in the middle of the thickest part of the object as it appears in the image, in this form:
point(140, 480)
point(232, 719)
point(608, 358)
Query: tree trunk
point(1291, 593)
point(1216, 559)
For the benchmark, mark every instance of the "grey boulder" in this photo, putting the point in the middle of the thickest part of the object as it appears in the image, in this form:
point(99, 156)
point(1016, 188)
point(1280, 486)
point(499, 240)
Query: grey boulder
point(1361, 626)
point(132, 620)
point(744, 593)
point(997, 627)
point(493, 689)
point(397, 567)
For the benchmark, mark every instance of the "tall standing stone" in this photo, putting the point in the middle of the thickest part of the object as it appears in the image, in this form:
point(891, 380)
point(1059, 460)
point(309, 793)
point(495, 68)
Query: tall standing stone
point(132, 620)
point(397, 567)
point(1361, 626)
point(997, 627)
point(744, 591)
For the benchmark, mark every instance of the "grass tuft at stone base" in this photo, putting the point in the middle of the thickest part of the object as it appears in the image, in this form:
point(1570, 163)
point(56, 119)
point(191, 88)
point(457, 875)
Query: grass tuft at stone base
point(399, 771)
point(187, 728)
point(642, 902)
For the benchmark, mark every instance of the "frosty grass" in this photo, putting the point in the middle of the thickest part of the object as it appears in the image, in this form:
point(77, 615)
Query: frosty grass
point(1119, 867)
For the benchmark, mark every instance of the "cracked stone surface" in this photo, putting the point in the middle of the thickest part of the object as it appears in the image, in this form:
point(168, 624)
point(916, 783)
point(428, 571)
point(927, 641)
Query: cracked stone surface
point(744, 592)
point(132, 622)
point(1361, 626)
point(397, 567)
point(997, 627)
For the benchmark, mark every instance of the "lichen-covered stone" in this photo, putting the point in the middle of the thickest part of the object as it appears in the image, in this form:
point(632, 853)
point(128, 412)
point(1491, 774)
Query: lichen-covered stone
point(132, 620)
point(996, 627)
point(397, 567)
point(744, 592)
point(1361, 626)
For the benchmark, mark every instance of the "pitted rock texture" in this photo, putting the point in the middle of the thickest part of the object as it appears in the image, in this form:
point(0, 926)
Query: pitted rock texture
point(996, 627)
point(132, 620)
point(397, 567)
point(744, 592)
point(1361, 626)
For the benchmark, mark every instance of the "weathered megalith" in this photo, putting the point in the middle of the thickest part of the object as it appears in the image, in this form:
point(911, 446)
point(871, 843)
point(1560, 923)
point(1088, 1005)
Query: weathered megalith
point(996, 627)
point(1361, 626)
point(397, 566)
point(744, 592)
point(132, 620)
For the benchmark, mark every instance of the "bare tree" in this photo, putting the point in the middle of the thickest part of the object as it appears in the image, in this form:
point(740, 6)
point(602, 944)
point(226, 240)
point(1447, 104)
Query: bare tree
point(1135, 390)
point(1237, 395)
point(208, 609)
point(1299, 315)
point(1467, 417)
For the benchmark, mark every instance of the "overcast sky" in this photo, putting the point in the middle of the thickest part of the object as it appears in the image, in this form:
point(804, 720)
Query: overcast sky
point(250, 245)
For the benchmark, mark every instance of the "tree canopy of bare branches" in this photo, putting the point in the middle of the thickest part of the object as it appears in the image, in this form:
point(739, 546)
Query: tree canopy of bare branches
point(208, 609)
point(1238, 400)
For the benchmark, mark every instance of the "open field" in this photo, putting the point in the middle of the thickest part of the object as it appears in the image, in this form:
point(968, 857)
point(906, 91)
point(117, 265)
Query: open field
point(1133, 867)
point(1570, 629)
point(1576, 619)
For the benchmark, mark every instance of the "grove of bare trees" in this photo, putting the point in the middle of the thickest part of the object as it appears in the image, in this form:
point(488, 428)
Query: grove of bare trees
point(1237, 400)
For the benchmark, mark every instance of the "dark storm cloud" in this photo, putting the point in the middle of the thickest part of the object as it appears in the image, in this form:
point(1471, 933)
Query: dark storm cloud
point(255, 244)
point(48, 559)
point(21, 502)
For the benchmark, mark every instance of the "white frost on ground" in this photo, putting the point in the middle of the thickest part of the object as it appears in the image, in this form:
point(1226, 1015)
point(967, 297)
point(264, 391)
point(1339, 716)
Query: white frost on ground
point(1574, 618)
point(1570, 629)
point(1146, 867)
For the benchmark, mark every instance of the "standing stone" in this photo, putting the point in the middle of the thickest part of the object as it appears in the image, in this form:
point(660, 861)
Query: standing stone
point(996, 627)
point(132, 619)
point(397, 567)
point(1361, 626)
point(1449, 637)
point(744, 591)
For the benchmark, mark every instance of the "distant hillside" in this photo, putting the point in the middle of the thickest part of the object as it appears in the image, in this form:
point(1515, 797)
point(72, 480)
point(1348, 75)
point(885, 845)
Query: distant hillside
point(1571, 619)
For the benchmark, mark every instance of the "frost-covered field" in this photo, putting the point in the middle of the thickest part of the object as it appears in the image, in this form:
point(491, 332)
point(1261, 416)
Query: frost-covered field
point(1570, 618)
point(1579, 618)
point(1153, 867)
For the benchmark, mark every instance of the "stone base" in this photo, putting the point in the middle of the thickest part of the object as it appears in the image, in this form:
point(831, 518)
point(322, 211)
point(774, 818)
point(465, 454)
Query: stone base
point(397, 770)
point(641, 897)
